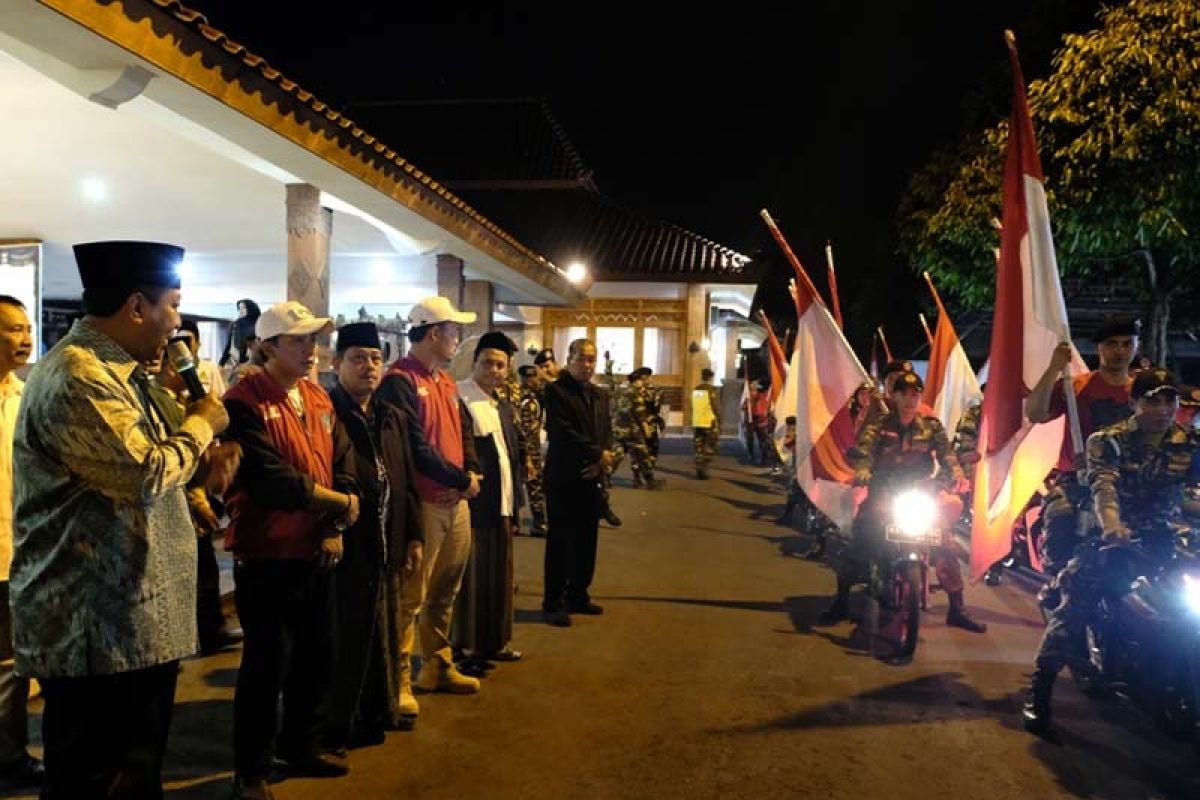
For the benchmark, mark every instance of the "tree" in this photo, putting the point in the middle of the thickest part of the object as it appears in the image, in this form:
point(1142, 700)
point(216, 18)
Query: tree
point(1118, 123)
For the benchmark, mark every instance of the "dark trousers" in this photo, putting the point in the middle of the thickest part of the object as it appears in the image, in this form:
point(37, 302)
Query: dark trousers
point(105, 735)
point(14, 692)
point(574, 512)
point(210, 621)
point(286, 610)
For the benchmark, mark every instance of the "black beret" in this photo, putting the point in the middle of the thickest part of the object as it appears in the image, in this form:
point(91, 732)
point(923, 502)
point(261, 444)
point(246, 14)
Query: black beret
point(897, 366)
point(908, 380)
point(1152, 381)
point(128, 265)
point(640, 372)
point(1117, 325)
point(495, 340)
point(544, 356)
point(358, 334)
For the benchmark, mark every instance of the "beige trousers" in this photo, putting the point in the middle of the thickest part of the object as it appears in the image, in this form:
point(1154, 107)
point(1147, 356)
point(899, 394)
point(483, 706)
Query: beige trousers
point(428, 597)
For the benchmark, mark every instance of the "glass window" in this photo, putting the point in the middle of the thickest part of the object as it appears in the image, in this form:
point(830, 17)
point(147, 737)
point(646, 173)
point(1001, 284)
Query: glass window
point(619, 344)
point(660, 350)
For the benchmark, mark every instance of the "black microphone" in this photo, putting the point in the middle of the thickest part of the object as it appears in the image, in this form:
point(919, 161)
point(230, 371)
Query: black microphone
point(181, 359)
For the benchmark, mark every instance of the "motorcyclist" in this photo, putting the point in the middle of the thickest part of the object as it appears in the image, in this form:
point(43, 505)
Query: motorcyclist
point(895, 451)
point(1136, 471)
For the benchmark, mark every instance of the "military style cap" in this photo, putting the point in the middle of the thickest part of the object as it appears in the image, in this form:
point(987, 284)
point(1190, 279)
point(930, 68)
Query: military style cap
point(1189, 396)
point(908, 380)
point(706, 374)
point(897, 366)
point(527, 371)
point(544, 356)
point(640, 372)
point(495, 340)
point(1154, 380)
point(1117, 325)
point(128, 265)
point(358, 334)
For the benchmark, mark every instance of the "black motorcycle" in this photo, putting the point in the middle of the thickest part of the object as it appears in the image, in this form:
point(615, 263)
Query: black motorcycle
point(1143, 642)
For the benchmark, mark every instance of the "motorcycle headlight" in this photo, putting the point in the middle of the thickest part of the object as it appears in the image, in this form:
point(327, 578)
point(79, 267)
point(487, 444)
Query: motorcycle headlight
point(915, 512)
point(1191, 593)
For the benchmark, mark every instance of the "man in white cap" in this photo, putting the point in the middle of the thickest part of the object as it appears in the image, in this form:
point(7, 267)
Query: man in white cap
point(441, 436)
point(293, 496)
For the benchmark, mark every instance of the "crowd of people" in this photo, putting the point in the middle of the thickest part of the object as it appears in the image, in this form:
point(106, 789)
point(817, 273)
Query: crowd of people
point(371, 526)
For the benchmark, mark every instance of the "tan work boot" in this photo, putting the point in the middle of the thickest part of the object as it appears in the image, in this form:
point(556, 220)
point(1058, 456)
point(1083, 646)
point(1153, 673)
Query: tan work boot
point(408, 706)
point(438, 677)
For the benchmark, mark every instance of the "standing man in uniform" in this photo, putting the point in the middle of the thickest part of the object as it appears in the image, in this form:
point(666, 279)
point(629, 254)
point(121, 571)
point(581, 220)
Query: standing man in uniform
point(532, 416)
point(547, 366)
point(103, 580)
point(1102, 397)
point(632, 431)
point(706, 422)
point(579, 425)
point(17, 766)
point(654, 403)
point(1136, 472)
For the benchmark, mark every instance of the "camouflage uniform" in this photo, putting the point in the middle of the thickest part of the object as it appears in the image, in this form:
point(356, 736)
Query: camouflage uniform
point(654, 401)
point(531, 416)
point(631, 427)
point(1135, 484)
point(966, 438)
point(706, 440)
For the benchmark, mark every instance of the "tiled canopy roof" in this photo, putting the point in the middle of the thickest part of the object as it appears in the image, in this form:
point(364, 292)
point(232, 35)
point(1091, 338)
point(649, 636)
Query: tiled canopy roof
point(614, 241)
point(481, 142)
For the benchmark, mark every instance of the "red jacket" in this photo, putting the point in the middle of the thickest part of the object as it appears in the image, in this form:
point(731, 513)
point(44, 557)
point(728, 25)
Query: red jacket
point(282, 457)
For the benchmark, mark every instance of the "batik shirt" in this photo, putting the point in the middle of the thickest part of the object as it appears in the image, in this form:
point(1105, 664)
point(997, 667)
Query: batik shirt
point(104, 563)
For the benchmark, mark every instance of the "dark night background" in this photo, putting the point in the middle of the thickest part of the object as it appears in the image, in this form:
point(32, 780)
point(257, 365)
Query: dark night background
point(818, 111)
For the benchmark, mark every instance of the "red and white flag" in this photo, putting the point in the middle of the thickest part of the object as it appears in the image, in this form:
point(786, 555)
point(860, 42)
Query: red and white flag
point(824, 373)
point(1029, 321)
point(950, 384)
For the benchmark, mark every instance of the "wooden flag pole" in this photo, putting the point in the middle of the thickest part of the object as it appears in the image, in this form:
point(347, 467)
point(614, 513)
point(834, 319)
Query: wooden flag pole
point(887, 351)
point(925, 325)
point(833, 285)
point(797, 267)
point(937, 298)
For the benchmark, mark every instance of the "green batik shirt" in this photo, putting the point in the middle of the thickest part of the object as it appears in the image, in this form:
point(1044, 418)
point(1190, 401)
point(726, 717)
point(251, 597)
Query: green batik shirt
point(1136, 481)
point(104, 563)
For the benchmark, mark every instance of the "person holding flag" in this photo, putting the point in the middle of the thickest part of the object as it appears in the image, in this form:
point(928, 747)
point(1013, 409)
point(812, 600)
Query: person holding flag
point(1102, 398)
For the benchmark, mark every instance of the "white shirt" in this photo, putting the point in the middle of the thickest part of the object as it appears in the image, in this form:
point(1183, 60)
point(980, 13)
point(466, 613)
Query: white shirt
point(211, 378)
point(485, 413)
point(10, 401)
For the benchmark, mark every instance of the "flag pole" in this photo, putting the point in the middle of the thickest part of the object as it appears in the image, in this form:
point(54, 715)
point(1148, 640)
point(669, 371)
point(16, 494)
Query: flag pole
point(925, 325)
point(887, 351)
point(937, 298)
point(833, 285)
point(797, 267)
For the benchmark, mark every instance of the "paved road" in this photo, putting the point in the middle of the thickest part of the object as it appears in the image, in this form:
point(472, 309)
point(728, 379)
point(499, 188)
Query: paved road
point(706, 679)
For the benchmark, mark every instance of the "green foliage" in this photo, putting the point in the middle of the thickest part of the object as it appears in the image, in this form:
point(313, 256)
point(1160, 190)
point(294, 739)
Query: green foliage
point(1118, 125)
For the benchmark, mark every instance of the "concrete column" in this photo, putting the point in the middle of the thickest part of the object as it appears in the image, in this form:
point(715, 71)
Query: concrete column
point(450, 278)
point(309, 228)
point(480, 297)
point(696, 331)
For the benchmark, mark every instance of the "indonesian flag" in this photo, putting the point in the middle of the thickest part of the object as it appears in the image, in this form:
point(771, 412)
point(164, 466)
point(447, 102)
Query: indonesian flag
point(776, 361)
point(1030, 319)
point(950, 384)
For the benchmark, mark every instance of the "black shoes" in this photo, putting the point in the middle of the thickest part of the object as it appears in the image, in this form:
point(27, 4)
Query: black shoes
point(957, 618)
point(311, 764)
point(559, 619)
point(1035, 714)
point(589, 608)
point(222, 641)
point(507, 654)
point(251, 789)
point(655, 483)
point(701, 475)
point(610, 516)
point(25, 771)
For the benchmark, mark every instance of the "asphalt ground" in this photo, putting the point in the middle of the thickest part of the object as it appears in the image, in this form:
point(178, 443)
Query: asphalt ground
point(707, 678)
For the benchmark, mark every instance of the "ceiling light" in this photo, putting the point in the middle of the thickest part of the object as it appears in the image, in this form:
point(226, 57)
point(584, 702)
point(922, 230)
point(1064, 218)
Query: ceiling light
point(577, 272)
point(94, 190)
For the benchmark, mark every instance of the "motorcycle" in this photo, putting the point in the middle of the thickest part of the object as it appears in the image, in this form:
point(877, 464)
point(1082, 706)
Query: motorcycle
point(900, 582)
point(1143, 642)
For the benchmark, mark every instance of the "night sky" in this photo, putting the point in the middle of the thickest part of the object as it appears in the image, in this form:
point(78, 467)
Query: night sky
point(818, 112)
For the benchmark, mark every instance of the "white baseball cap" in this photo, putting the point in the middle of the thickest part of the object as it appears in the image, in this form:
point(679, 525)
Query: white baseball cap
point(433, 310)
point(290, 319)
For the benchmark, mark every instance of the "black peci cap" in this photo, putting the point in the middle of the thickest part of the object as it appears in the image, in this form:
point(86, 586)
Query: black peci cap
point(640, 372)
point(495, 340)
point(128, 265)
point(1117, 325)
point(358, 334)
point(544, 356)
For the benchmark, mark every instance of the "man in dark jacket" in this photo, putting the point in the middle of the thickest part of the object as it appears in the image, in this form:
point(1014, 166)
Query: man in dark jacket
point(483, 621)
point(383, 547)
point(580, 430)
